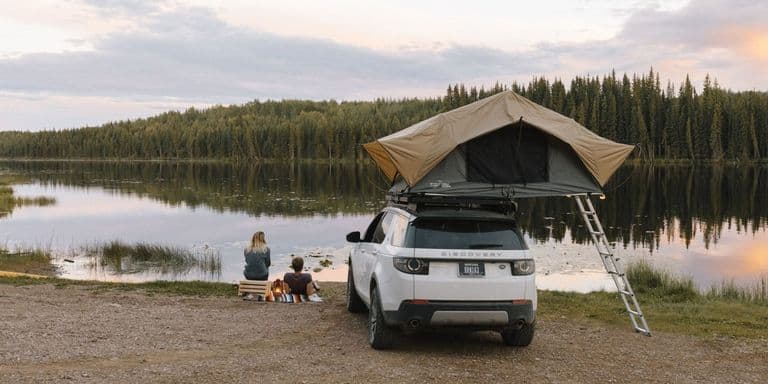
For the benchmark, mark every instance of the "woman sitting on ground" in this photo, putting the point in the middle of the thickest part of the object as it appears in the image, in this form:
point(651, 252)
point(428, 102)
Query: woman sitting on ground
point(257, 259)
point(301, 283)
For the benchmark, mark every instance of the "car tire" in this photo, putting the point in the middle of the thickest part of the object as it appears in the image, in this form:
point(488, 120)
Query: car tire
point(380, 336)
point(354, 303)
point(519, 337)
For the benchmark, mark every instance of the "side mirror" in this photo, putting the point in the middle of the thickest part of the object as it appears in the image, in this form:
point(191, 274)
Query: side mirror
point(353, 237)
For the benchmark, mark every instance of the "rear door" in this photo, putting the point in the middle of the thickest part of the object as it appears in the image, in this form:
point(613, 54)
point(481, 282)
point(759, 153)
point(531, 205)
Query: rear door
point(368, 251)
point(469, 260)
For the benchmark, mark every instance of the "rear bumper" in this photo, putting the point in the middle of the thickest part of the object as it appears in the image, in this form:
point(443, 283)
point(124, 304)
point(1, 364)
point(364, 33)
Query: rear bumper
point(481, 315)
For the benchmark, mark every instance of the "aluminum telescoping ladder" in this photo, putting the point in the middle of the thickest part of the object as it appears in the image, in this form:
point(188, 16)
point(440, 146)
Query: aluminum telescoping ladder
point(610, 261)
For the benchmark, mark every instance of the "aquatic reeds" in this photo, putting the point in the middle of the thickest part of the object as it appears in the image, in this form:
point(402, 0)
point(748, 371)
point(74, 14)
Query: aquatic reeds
point(121, 258)
point(753, 293)
point(648, 280)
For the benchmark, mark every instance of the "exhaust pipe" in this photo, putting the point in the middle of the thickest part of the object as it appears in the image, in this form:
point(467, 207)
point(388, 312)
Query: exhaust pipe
point(414, 323)
point(520, 323)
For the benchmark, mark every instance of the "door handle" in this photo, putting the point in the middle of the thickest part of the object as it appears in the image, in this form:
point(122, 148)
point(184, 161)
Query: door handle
point(375, 253)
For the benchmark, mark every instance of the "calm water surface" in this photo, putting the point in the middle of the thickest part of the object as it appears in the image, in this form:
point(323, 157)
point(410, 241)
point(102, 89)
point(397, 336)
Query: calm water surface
point(705, 222)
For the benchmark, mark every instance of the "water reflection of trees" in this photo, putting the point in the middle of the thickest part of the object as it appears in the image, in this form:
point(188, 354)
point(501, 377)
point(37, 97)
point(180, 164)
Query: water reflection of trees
point(296, 189)
point(644, 203)
point(9, 201)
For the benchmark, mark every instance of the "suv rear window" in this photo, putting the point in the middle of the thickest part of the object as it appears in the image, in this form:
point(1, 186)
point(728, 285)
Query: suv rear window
point(464, 234)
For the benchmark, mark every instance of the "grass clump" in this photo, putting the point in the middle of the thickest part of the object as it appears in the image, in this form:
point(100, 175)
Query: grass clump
point(121, 258)
point(649, 281)
point(27, 260)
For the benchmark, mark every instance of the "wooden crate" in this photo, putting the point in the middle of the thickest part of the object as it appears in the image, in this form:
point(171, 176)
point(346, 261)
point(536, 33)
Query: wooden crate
point(254, 287)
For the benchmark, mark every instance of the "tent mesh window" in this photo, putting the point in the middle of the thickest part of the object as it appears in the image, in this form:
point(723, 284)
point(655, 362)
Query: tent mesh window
point(513, 154)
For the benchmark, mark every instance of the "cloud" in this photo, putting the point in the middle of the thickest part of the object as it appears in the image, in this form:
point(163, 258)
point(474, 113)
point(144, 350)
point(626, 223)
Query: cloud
point(186, 55)
point(728, 40)
point(697, 25)
point(125, 7)
point(191, 54)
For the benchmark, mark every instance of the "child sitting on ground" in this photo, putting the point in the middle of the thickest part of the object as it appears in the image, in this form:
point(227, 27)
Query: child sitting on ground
point(301, 283)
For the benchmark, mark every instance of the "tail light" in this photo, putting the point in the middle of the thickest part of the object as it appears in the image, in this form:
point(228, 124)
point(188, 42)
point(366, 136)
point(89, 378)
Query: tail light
point(523, 267)
point(411, 265)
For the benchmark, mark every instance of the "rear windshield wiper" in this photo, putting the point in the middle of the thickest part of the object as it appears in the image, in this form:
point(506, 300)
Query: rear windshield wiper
point(484, 246)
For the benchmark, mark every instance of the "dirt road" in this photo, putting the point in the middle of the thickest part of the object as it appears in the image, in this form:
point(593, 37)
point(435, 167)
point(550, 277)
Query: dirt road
point(73, 334)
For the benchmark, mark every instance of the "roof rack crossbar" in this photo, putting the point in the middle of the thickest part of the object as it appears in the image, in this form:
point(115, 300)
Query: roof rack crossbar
point(422, 200)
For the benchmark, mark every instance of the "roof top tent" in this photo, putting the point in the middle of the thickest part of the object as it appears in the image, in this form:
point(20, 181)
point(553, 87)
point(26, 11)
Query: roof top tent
point(502, 148)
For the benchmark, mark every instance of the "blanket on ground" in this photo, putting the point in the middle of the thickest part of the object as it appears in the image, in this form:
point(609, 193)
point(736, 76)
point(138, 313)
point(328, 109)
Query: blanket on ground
point(289, 298)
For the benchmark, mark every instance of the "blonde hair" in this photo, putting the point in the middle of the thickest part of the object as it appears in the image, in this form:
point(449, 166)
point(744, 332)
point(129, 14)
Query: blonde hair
point(258, 242)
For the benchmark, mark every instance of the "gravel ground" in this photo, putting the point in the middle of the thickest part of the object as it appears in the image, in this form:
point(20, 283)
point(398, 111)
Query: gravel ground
point(75, 334)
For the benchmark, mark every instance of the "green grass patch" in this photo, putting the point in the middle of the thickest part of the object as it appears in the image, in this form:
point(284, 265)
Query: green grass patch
point(27, 260)
point(670, 304)
point(703, 317)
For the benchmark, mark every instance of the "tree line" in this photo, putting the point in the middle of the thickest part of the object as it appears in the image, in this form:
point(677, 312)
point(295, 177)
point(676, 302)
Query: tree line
point(667, 123)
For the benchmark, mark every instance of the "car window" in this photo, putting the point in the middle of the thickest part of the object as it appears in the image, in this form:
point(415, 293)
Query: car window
point(464, 234)
point(381, 230)
point(399, 227)
point(372, 228)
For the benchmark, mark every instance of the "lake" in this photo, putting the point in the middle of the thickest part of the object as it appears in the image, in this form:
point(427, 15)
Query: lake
point(706, 222)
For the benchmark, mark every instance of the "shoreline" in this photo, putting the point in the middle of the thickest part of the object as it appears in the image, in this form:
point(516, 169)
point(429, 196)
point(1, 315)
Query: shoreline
point(631, 162)
point(703, 318)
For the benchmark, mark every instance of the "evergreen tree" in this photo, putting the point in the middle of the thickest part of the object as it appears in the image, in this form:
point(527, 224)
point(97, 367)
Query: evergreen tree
point(714, 125)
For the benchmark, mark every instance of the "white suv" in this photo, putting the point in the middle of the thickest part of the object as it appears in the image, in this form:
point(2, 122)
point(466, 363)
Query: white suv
point(442, 267)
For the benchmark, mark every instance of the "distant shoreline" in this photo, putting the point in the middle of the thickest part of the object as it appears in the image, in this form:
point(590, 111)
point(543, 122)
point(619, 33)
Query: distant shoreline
point(202, 161)
point(663, 162)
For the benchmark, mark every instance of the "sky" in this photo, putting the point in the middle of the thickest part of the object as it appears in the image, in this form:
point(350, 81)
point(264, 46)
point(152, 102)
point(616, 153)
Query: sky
point(70, 63)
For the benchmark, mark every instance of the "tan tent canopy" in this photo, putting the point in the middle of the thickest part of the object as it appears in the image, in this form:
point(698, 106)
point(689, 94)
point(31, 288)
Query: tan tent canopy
point(414, 152)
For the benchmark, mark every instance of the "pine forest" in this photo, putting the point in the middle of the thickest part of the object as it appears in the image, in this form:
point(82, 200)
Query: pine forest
point(668, 122)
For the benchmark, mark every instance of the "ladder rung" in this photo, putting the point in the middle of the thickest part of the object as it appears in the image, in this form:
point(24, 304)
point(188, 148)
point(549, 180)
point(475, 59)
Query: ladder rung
point(606, 250)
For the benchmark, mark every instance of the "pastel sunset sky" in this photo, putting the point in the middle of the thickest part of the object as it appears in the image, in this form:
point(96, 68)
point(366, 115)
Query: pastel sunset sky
point(70, 63)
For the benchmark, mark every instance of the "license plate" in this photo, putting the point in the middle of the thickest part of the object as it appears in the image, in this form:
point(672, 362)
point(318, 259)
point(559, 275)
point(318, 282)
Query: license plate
point(471, 269)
